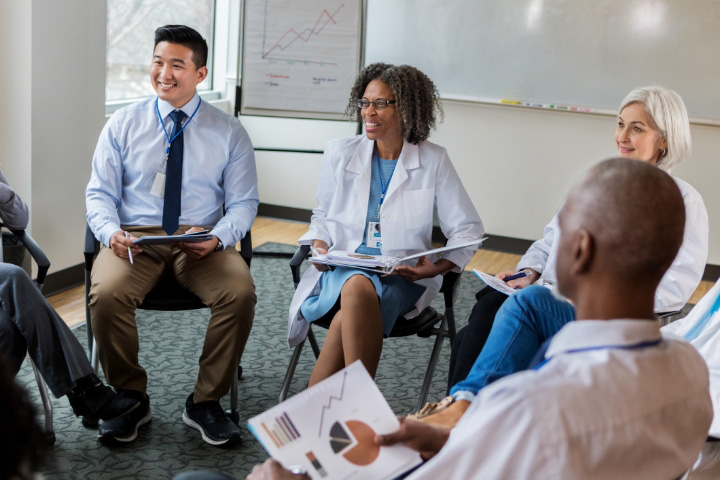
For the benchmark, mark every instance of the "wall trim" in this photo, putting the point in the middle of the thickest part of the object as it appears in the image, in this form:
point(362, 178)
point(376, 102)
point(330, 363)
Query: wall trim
point(65, 279)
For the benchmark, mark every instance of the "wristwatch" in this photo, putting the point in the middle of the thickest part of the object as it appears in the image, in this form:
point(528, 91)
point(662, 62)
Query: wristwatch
point(220, 245)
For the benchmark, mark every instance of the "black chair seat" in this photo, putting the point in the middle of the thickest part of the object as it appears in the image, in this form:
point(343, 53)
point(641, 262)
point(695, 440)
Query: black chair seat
point(169, 296)
point(420, 325)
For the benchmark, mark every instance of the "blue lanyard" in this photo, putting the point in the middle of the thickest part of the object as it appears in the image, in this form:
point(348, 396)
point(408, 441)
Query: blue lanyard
point(170, 140)
point(383, 185)
point(650, 343)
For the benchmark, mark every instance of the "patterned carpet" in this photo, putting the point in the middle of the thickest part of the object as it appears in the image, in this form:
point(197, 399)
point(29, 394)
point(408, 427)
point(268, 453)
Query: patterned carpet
point(170, 344)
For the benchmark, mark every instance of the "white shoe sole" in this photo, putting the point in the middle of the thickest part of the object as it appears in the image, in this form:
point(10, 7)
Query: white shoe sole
point(133, 436)
point(193, 424)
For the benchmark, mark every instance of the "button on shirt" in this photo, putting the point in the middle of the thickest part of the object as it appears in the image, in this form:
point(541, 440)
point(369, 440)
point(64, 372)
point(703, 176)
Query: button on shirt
point(597, 413)
point(218, 169)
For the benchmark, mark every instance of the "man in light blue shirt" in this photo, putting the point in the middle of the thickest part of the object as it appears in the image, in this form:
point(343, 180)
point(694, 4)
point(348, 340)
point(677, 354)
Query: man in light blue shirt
point(169, 165)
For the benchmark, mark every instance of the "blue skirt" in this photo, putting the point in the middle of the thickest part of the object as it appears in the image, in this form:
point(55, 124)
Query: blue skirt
point(397, 295)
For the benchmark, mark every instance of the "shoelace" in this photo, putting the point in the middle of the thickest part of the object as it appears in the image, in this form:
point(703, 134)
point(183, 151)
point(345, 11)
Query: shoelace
point(214, 413)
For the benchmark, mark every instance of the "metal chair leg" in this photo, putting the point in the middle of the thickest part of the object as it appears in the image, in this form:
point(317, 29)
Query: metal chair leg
point(441, 333)
point(94, 359)
point(313, 343)
point(291, 370)
point(233, 412)
point(47, 406)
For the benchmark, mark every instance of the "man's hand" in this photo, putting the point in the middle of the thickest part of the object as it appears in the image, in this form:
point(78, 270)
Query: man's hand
point(272, 470)
point(119, 244)
point(321, 247)
point(423, 269)
point(200, 249)
point(421, 437)
point(519, 283)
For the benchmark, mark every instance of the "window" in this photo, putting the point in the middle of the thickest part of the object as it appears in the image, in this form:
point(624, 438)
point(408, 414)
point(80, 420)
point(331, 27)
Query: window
point(131, 28)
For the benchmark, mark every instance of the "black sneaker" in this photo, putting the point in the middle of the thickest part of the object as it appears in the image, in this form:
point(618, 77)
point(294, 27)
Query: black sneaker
point(93, 400)
point(214, 425)
point(124, 429)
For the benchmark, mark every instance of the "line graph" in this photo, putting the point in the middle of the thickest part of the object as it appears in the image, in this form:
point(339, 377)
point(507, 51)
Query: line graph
point(332, 397)
point(300, 55)
point(291, 36)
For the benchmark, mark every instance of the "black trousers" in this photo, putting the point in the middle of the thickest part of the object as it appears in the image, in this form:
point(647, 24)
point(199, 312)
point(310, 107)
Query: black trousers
point(470, 340)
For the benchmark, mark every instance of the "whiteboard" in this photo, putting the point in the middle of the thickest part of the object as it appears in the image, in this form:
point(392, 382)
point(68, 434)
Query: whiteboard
point(300, 57)
point(583, 53)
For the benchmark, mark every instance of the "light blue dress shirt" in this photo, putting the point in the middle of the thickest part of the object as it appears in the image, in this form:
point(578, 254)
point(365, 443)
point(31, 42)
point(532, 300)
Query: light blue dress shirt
point(218, 169)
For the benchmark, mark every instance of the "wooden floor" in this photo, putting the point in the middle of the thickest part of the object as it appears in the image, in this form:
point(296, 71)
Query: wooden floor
point(71, 303)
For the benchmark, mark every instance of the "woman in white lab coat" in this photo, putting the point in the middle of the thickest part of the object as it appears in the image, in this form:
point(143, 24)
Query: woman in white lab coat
point(385, 181)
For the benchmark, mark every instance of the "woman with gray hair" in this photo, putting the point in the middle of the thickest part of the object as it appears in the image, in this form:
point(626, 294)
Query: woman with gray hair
point(503, 336)
point(376, 195)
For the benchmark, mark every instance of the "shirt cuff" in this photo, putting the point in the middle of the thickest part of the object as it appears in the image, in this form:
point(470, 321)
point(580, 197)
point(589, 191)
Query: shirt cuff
point(104, 234)
point(461, 395)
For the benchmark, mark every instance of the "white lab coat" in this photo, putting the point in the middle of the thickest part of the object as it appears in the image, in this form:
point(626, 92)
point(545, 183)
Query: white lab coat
point(681, 279)
point(423, 177)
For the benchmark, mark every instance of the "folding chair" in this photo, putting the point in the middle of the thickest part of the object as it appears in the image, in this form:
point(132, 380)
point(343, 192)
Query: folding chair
point(167, 295)
point(423, 325)
point(43, 265)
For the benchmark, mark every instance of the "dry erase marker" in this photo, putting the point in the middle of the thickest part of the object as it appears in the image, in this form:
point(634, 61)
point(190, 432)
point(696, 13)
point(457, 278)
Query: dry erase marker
point(127, 235)
point(510, 102)
point(515, 277)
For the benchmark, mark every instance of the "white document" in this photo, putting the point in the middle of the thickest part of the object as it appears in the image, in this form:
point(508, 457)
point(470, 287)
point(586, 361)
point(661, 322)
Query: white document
point(495, 283)
point(378, 263)
point(196, 237)
point(329, 430)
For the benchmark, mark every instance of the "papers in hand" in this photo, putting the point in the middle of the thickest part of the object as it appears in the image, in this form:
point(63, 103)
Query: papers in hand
point(329, 430)
point(196, 237)
point(378, 263)
point(495, 283)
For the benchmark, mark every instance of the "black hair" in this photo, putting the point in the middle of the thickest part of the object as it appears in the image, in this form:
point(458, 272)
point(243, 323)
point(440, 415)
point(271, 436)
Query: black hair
point(418, 101)
point(187, 37)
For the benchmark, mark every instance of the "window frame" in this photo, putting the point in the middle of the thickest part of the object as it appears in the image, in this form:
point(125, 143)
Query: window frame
point(223, 58)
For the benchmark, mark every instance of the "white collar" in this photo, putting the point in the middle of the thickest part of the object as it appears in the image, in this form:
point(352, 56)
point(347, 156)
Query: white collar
point(189, 108)
point(590, 334)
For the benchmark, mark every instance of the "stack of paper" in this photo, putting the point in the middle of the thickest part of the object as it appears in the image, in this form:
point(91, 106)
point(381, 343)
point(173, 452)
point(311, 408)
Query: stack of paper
point(378, 263)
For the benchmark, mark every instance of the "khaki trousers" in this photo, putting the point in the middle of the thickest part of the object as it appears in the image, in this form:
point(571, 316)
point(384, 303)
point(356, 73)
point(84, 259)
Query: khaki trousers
point(221, 280)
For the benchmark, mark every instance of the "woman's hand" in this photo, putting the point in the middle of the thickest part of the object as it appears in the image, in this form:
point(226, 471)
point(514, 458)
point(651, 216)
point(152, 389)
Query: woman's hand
point(519, 283)
point(421, 437)
point(320, 247)
point(423, 269)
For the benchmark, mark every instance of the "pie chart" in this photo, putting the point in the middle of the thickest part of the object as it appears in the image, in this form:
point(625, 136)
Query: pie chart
point(363, 450)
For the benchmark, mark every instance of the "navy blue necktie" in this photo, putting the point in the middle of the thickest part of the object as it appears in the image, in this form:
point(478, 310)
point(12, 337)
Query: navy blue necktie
point(173, 176)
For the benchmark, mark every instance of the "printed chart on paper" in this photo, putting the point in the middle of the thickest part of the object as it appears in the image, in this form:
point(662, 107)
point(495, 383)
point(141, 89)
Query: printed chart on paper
point(300, 55)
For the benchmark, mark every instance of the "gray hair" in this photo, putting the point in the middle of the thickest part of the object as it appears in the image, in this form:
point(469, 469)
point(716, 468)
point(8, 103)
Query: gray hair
point(667, 110)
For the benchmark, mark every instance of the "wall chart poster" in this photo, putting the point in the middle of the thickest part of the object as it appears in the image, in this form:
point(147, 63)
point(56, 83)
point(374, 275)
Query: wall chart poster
point(300, 55)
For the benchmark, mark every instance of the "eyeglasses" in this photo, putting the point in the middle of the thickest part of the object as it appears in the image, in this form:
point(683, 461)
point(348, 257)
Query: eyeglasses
point(378, 104)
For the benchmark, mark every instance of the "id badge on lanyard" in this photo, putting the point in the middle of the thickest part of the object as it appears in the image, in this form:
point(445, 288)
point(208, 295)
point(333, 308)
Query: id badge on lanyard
point(374, 235)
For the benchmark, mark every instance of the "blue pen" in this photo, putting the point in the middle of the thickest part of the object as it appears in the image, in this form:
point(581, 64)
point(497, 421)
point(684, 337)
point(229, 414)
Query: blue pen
point(515, 277)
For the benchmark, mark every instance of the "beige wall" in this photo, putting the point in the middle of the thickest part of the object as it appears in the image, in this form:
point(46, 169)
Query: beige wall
point(516, 163)
point(54, 94)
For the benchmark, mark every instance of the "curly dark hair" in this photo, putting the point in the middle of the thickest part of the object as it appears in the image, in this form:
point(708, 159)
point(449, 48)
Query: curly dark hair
point(418, 101)
point(23, 442)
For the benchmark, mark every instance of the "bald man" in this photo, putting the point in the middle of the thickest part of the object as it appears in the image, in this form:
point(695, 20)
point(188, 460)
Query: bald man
point(611, 396)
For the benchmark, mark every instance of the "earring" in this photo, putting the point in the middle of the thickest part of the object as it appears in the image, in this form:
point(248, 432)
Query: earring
point(663, 152)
